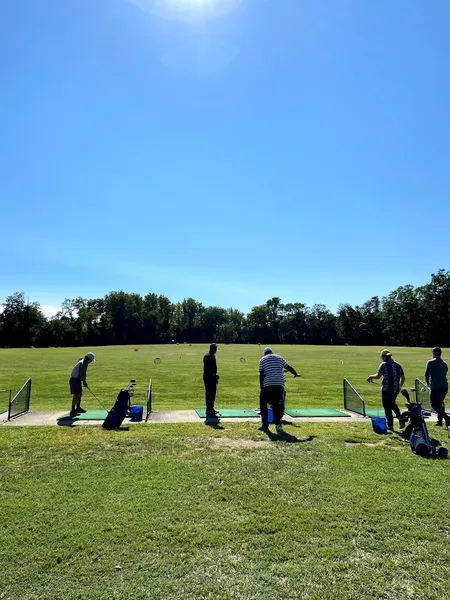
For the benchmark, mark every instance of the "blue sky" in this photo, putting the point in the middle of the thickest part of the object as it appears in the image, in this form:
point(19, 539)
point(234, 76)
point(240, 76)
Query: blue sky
point(229, 150)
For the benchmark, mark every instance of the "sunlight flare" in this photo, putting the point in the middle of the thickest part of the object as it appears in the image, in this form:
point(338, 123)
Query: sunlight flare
point(187, 9)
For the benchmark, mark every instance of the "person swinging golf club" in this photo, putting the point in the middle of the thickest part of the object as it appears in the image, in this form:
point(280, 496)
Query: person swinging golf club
point(271, 381)
point(393, 380)
point(78, 381)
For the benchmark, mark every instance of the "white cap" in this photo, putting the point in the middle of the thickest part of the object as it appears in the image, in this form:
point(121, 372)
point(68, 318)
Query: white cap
point(268, 350)
point(91, 356)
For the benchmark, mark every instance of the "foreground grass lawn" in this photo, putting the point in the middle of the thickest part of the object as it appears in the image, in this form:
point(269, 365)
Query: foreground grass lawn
point(193, 512)
point(177, 380)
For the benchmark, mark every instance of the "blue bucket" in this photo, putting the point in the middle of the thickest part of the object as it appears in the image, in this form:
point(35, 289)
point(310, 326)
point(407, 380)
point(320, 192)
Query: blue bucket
point(379, 425)
point(137, 413)
point(270, 417)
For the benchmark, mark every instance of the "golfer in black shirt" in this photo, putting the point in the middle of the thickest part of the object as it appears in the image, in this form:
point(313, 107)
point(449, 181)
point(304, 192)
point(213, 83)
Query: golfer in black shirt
point(210, 379)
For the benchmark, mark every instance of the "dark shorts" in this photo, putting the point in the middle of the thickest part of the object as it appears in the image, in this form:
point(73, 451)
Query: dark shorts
point(75, 386)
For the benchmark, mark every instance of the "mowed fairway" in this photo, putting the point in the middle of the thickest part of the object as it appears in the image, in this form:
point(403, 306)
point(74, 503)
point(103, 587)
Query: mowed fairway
point(328, 511)
point(177, 380)
point(324, 511)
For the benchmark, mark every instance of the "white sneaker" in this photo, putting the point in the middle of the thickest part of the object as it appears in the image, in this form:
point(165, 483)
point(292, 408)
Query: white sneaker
point(279, 428)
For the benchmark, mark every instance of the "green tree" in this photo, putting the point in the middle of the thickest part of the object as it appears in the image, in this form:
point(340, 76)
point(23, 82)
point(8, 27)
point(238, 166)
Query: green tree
point(402, 317)
point(258, 324)
point(22, 323)
point(293, 326)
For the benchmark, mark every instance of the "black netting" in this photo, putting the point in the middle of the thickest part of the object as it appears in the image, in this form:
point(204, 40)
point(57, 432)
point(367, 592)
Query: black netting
point(352, 400)
point(20, 403)
point(423, 394)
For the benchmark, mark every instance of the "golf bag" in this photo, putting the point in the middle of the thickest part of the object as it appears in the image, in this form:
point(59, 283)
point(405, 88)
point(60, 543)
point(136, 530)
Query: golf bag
point(417, 431)
point(121, 409)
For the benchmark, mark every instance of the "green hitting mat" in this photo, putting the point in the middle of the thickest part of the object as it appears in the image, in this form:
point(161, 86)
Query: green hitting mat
point(89, 415)
point(314, 412)
point(229, 413)
point(374, 413)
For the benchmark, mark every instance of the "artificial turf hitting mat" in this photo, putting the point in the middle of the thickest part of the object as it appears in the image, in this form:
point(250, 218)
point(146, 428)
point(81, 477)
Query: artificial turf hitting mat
point(374, 413)
point(89, 415)
point(314, 412)
point(229, 413)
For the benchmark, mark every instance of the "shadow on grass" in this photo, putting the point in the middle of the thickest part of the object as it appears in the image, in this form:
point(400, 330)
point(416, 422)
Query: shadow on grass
point(214, 424)
point(68, 422)
point(287, 438)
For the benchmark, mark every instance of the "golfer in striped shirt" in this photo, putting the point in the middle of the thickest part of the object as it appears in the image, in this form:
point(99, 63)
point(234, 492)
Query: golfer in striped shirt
point(271, 381)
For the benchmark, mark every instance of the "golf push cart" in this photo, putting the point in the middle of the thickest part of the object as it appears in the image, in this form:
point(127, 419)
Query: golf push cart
point(416, 431)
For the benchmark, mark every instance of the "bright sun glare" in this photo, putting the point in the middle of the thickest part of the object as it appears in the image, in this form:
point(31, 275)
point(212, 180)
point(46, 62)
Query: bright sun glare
point(181, 9)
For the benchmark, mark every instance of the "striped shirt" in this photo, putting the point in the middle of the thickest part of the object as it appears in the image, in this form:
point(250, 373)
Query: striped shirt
point(272, 366)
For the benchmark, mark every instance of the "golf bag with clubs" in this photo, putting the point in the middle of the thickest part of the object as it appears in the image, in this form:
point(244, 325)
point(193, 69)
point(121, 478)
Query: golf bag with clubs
point(121, 408)
point(416, 431)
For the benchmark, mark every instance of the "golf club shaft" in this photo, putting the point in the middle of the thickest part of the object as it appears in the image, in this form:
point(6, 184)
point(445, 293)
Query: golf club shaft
point(96, 397)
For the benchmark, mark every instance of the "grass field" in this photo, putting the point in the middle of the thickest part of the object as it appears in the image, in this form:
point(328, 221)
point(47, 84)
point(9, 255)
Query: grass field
point(323, 512)
point(177, 380)
point(328, 511)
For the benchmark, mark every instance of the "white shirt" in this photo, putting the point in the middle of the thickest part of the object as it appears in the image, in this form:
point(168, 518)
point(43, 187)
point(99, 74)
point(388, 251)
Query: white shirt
point(79, 371)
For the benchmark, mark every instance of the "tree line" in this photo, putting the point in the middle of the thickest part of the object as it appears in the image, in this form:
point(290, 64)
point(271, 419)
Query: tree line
point(408, 316)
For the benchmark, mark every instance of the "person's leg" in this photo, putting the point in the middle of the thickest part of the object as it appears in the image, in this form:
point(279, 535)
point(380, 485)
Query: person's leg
point(207, 394)
point(278, 403)
point(437, 398)
point(75, 390)
point(213, 394)
point(78, 408)
point(387, 405)
point(396, 409)
point(263, 410)
point(210, 396)
point(445, 415)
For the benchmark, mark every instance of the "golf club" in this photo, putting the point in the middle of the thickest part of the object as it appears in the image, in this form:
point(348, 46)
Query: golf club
point(97, 398)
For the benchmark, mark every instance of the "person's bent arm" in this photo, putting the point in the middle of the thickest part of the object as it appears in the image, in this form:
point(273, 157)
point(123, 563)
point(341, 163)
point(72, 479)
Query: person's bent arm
point(372, 377)
point(292, 370)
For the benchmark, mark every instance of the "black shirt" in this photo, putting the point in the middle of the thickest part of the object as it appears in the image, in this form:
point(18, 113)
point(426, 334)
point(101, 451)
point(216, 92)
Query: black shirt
point(209, 366)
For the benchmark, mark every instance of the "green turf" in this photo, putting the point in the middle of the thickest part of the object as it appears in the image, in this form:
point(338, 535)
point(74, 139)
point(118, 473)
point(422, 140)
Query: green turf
point(177, 382)
point(314, 412)
point(89, 415)
point(373, 413)
point(3, 411)
point(192, 512)
point(229, 413)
